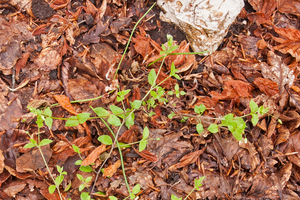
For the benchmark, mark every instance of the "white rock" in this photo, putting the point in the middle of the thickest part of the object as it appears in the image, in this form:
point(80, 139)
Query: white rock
point(205, 22)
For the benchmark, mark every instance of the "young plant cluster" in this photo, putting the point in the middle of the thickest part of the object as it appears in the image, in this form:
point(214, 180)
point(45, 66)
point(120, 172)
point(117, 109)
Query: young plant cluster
point(118, 116)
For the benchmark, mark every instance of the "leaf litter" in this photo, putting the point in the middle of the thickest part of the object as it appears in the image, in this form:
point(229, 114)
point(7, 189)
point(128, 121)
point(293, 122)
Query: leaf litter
point(65, 51)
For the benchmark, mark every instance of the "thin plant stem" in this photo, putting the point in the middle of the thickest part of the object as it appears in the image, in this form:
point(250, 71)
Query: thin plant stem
point(129, 40)
point(189, 193)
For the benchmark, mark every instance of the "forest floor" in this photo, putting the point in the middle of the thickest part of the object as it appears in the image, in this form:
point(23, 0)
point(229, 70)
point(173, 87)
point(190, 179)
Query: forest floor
point(66, 93)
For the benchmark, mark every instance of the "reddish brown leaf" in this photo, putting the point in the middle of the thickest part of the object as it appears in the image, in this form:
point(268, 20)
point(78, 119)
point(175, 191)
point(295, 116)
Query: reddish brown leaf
point(289, 6)
point(14, 188)
point(142, 45)
point(1, 162)
point(58, 4)
point(4, 176)
point(21, 62)
point(94, 155)
point(33, 160)
point(109, 171)
point(266, 86)
point(187, 159)
point(168, 84)
point(130, 135)
point(147, 155)
point(64, 101)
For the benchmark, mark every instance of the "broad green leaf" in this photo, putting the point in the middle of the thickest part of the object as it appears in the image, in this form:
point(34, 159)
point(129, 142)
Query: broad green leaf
point(136, 104)
point(48, 112)
point(72, 121)
point(82, 117)
point(105, 139)
point(173, 48)
point(78, 162)
point(136, 189)
point(88, 179)
point(68, 186)
point(200, 109)
point(173, 69)
point(182, 93)
point(237, 135)
point(160, 91)
point(45, 142)
point(199, 128)
point(51, 189)
point(176, 87)
point(49, 122)
point(262, 110)
point(130, 121)
point(254, 119)
point(59, 169)
point(227, 120)
point(86, 168)
point(112, 198)
point(76, 148)
point(101, 112)
point(29, 145)
point(151, 114)
point(79, 176)
point(85, 196)
point(173, 197)
point(213, 128)
point(117, 111)
point(59, 179)
point(142, 145)
point(253, 106)
point(154, 94)
point(152, 77)
point(170, 93)
point(132, 196)
point(81, 187)
point(114, 120)
point(145, 133)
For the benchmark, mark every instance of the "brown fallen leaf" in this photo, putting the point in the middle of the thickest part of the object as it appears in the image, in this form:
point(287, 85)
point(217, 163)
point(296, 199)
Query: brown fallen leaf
point(92, 157)
point(33, 160)
point(109, 171)
point(1, 162)
point(14, 187)
point(64, 101)
point(266, 86)
point(187, 159)
point(147, 155)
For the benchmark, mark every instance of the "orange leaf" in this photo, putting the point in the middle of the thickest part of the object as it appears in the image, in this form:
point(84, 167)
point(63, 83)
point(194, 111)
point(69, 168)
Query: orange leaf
point(266, 86)
point(146, 154)
point(109, 171)
point(64, 101)
point(92, 157)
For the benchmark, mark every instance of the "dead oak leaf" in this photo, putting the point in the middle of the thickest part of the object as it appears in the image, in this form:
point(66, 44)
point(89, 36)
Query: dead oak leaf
point(109, 171)
point(187, 159)
point(266, 86)
point(64, 101)
point(92, 157)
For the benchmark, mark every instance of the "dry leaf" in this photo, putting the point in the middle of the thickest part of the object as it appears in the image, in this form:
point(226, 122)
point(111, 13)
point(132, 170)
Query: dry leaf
point(64, 101)
point(94, 155)
point(266, 86)
point(109, 171)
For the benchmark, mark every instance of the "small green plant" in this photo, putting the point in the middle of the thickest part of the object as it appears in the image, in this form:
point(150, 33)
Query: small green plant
point(197, 185)
point(58, 180)
point(177, 92)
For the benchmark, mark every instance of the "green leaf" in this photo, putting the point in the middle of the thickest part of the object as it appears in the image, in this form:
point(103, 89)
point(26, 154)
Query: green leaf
point(130, 121)
point(49, 122)
point(136, 189)
point(82, 117)
point(122, 94)
point(48, 112)
point(227, 120)
point(145, 133)
point(101, 112)
point(136, 104)
point(112, 198)
point(51, 189)
point(213, 128)
point(124, 145)
point(200, 109)
point(238, 136)
point(59, 179)
point(151, 114)
point(105, 139)
point(80, 177)
point(142, 145)
point(182, 93)
point(81, 187)
point(114, 120)
point(170, 93)
point(59, 169)
point(68, 186)
point(76, 148)
point(39, 121)
point(78, 162)
point(198, 182)
point(262, 110)
point(199, 128)
point(117, 111)
point(45, 142)
point(176, 87)
point(173, 48)
point(86, 168)
point(279, 121)
point(152, 77)
point(72, 121)
point(85, 196)
point(173, 197)
point(29, 145)
point(88, 179)
point(170, 40)
point(254, 119)
point(173, 69)
point(132, 196)
point(253, 106)
point(171, 115)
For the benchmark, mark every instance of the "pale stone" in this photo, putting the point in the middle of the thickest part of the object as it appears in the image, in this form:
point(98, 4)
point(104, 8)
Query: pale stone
point(205, 22)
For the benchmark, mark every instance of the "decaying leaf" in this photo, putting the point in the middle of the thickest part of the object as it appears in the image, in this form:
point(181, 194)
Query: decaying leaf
point(93, 155)
point(64, 101)
point(109, 171)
